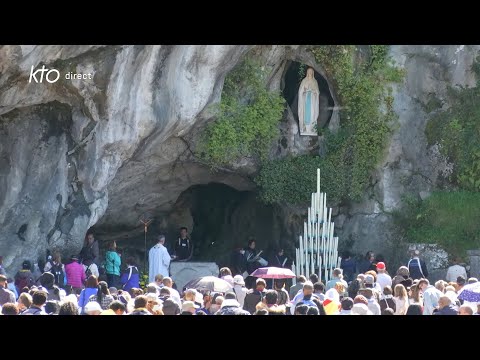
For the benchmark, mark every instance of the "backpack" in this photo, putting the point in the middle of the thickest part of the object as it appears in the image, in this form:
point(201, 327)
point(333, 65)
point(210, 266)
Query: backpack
point(57, 271)
point(88, 272)
point(24, 281)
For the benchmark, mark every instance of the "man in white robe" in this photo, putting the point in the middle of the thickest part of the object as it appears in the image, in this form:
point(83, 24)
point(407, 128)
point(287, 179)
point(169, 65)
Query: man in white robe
point(158, 259)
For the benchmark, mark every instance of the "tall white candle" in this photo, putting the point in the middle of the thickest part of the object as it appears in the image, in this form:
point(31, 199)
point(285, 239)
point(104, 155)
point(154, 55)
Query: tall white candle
point(318, 180)
point(300, 260)
point(319, 268)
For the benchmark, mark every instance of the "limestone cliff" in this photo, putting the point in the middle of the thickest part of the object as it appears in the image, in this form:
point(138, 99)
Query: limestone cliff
point(78, 153)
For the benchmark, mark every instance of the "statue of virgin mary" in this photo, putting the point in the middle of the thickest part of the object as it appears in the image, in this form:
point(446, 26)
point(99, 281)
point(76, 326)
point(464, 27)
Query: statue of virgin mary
point(308, 104)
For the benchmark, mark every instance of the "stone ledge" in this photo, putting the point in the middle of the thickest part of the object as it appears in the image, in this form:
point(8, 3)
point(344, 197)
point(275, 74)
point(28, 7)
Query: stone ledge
point(183, 272)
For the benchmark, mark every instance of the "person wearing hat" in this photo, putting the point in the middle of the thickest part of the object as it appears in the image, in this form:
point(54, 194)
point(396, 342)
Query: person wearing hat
point(383, 279)
point(230, 306)
point(239, 289)
point(360, 306)
point(154, 306)
point(189, 308)
point(93, 308)
point(417, 267)
point(75, 274)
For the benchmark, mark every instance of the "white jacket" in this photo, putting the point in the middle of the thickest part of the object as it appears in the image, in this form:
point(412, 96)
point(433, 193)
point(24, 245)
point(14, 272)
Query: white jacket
point(454, 272)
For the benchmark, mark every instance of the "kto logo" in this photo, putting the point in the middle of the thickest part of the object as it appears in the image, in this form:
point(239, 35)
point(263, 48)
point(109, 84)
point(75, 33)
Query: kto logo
point(51, 78)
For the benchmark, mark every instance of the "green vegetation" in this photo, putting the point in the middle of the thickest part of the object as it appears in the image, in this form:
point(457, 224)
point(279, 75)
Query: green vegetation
point(353, 152)
point(457, 131)
point(246, 119)
point(449, 219)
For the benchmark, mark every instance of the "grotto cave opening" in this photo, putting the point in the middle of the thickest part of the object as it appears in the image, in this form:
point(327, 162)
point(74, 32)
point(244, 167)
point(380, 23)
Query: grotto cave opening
point(219, 218)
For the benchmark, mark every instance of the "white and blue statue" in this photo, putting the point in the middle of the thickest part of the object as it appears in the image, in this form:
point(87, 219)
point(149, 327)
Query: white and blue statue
point(308, 104)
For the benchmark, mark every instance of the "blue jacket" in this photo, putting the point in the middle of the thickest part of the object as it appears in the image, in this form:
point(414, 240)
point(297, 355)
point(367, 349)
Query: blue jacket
point(133, 282)
point(85, 295)
point(417, 268)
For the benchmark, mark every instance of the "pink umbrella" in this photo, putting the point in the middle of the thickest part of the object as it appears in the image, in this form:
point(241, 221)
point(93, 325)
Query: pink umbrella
point(273, 273)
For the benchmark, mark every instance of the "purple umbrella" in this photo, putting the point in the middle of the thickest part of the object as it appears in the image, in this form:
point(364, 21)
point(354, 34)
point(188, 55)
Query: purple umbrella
point(273, 273)
point(470, 292)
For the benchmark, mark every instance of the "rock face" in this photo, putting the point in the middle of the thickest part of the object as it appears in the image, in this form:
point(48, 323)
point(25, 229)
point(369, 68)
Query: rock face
point(78, 153)
point(63, 143)
point(409, 166)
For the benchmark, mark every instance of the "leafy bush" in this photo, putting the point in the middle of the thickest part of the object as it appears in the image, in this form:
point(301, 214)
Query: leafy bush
point(457, 131)
point(247, 118)
point(447, 218)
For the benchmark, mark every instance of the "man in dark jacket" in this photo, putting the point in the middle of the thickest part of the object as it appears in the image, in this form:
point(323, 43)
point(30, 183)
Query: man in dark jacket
point(238, 262)
point(445, 307)
point(183, 248)
point(349, 267)
point(279, 259)
point(253, 297)
point(367, 263)
point(417, 267)
point(90, 251)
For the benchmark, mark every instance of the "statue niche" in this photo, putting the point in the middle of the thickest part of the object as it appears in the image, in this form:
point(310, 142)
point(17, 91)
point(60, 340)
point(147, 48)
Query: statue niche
point(308, 104)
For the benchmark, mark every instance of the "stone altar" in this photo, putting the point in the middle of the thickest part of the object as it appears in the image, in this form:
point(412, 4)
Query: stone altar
point(183, 272)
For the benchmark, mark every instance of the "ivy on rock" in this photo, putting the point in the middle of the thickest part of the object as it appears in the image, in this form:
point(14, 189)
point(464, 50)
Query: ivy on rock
point(247, 118)
point(457, 132)
point(366, 101)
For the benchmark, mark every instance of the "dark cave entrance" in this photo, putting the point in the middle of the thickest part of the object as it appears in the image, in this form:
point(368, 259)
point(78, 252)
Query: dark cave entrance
point(291, 81)
point(222, 219)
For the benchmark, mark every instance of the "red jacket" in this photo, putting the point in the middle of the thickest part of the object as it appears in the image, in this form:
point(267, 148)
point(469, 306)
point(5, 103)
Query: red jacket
point(75, 274)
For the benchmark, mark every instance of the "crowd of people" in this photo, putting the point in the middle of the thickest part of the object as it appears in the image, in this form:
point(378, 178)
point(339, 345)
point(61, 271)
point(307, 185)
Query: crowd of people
point(84, 287)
